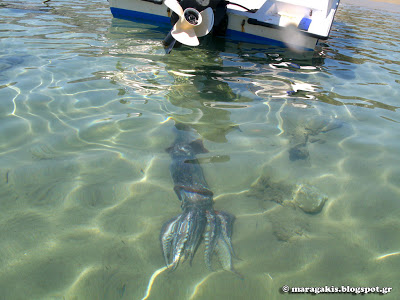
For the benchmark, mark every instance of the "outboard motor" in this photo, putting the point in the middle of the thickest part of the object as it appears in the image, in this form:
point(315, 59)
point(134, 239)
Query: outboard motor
point(195, 18)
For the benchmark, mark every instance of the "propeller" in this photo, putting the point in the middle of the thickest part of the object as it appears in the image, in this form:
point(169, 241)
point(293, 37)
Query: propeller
point(191, 24)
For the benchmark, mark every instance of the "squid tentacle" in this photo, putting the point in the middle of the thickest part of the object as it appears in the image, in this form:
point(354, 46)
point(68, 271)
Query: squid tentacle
point(182, 235)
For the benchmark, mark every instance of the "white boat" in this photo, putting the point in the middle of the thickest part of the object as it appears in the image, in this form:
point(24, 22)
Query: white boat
point(296, 24)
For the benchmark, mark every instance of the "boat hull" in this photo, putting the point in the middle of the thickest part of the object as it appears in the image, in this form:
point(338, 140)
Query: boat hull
point(242, 26)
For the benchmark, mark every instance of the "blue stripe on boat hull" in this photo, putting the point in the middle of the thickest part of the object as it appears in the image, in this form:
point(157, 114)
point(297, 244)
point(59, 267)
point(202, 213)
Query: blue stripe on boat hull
point(132, 15)
point(251, 38)
point(256, 39)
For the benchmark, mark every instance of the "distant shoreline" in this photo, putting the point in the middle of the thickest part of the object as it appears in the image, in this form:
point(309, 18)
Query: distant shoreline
point(388, 1)
point(391, 5)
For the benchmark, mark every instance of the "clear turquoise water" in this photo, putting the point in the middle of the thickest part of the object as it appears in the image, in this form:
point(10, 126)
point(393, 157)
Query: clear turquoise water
point(87, 105)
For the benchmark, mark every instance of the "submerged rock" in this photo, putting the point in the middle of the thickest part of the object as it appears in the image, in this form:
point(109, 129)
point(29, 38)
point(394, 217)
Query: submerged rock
point(266, 189)
point(298, 152)
point(301, 135)
point(309, 198)
point(288, 224)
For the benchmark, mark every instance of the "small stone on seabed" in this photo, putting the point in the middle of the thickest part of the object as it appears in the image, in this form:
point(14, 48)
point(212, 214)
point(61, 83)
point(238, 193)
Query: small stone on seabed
point(309, 198)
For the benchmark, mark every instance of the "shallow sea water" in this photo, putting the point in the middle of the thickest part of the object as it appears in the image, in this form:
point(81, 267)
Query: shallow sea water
point(87, 107)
